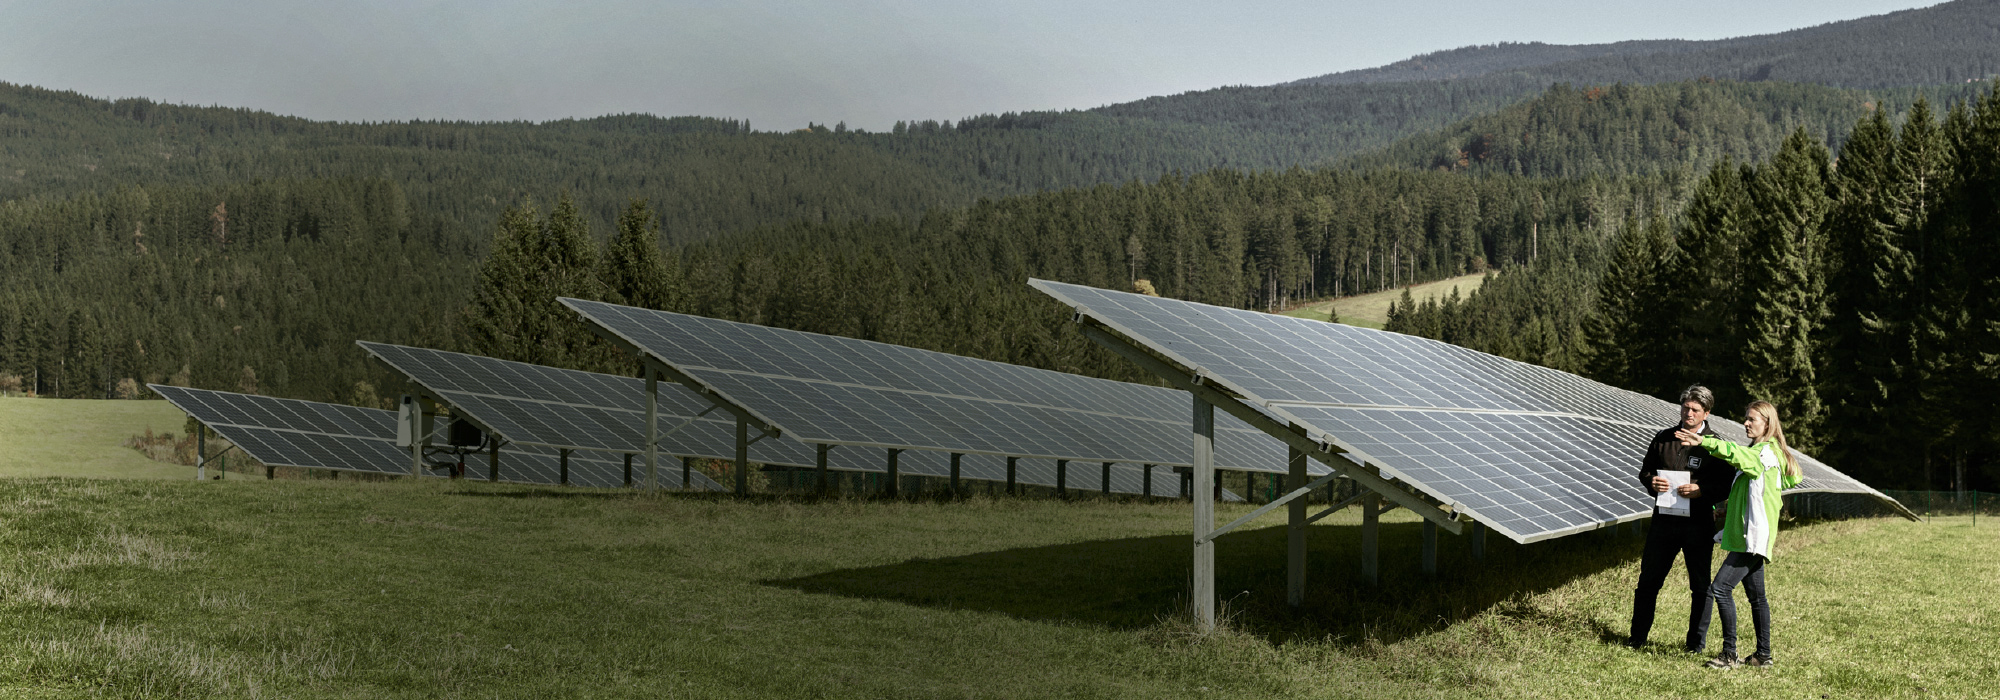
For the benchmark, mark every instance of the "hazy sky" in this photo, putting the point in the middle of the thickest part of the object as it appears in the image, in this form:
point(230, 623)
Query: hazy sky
point(868, 62)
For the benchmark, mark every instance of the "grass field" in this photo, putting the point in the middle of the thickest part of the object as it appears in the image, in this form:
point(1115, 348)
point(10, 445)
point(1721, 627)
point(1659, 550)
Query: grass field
point(1372, 310)
point(251, 588)
point(75, 437)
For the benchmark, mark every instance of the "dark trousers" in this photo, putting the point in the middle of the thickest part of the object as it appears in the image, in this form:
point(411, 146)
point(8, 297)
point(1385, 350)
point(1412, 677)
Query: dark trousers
point(1747, 569)
point(1668, 537)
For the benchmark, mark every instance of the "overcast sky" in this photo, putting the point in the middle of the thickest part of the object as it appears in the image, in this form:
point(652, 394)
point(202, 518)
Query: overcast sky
point(867, 62)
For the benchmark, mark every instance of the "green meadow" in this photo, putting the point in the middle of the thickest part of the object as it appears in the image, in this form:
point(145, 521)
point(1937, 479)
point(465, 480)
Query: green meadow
point(315, 588)
point(1372, 310)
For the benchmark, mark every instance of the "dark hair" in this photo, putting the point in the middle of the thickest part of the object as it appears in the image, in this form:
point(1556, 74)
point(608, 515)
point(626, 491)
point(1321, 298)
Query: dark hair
point(1701, 395)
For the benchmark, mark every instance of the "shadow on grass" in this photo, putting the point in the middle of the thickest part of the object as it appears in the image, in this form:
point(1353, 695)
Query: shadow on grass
point(1135, 582)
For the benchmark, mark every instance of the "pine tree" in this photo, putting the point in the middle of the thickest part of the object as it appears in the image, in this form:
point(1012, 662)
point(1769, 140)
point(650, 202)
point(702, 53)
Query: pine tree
point(634, 272)
point(1785, 281)
point(1701, 327)
point(496, 323)
point(1621, 337)
point(1870, 283)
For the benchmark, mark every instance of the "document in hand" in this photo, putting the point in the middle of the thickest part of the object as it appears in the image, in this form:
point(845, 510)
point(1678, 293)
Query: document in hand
point(1671, 502)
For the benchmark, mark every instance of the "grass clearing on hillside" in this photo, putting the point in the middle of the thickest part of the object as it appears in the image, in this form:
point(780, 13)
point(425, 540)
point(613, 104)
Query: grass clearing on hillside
point(1372, 310)
point(251, 588)
point(83, 437)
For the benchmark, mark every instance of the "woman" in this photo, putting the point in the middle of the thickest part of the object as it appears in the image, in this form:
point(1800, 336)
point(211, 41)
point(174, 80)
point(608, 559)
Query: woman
point(1764, 470)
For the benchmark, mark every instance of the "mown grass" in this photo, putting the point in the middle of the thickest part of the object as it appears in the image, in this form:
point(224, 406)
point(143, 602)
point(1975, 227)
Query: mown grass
point(1372, 310)
point(78, 437)
point(249, 588)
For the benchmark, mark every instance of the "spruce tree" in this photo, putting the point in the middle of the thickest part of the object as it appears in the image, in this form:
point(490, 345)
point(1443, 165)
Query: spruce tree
point(1870, 283)
point(634, 272)
point(1785, 282)
point(1621, 335)
point(1701, 326)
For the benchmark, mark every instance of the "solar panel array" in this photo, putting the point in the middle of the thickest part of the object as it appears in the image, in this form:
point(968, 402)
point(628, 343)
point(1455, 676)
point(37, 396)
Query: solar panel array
point(828, 389)
point(1532, 452)
point(553, 407)
point(314, 435)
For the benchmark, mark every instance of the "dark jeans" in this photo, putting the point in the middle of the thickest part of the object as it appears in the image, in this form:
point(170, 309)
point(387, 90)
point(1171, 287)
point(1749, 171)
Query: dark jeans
point(1668, 537)
point(1748, 569)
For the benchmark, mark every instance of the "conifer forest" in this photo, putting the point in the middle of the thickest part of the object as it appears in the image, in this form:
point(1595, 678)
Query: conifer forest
point(1754, 216)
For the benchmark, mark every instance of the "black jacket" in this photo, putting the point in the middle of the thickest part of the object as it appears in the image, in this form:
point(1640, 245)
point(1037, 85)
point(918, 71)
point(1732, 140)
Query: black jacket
point(1711, 474)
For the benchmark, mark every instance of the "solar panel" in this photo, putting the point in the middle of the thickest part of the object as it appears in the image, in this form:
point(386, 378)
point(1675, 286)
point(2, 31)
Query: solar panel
point(536, 405)
point(1533, 452)
point(833, 390)
point(314, 435)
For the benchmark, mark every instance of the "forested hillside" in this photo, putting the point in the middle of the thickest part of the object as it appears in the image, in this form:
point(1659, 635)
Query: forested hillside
point(1635, 129)
point(1953, 42)
point(1861, 295)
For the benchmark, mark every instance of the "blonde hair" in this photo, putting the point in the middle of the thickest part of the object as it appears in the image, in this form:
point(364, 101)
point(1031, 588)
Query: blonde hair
point(1775, 432)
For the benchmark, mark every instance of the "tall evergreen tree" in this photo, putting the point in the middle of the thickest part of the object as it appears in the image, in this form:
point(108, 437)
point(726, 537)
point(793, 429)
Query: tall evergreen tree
point(1870, 285)
point(1701, 327)
point(1622, 331)
point(1786, 283)
point(634, 272)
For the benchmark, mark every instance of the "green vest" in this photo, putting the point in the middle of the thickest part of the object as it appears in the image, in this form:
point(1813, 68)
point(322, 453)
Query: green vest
point(1751, 524)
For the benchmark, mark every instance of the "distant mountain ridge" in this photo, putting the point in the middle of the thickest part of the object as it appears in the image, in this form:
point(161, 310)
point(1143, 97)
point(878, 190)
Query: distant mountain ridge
point(1951, 42)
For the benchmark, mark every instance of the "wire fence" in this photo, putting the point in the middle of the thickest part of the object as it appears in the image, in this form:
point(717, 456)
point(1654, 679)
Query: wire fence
point(1925, 504)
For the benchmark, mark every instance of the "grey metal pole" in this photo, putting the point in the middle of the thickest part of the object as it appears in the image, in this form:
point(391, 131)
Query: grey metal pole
point(1371, 525)
point(564, 460)
point(742, 456)
point(201, 452)
point(955, 457)
point(1062, 478)
point(1295, 531)
point(1430, 548)
point(1203, 596)
point(819, 464)
point(653, 429)
point(1105, 487)
point(889, 487)
point(628, 470)
point(1146, 481)
point(1478, 541)
point(1010, 474)
point(687, 473)
point(493, 463)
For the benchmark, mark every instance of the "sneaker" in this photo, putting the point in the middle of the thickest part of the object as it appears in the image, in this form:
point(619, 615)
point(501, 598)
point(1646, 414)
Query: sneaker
point(1756, 661)
point(1725, 662)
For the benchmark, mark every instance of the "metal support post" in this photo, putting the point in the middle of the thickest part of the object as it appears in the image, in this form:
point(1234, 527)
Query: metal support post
point(1249, 487)
point(1062, 478)
point(687, 473)
point(1371, 526)
point(742, 456)
point(628, 470)
point(270, 472)
point(1203, 595)
point(1295, 531)
point(493, 462)
point(1010, 474)
point(1105, 487)
point(955, 457)
point(564, 460)
point(895, 473)
point(1430, 548)
point(201, 454)
point(1146, 481)
point(1478, 541)
point(653, 429)
point(819, 464)
point(1216, 485)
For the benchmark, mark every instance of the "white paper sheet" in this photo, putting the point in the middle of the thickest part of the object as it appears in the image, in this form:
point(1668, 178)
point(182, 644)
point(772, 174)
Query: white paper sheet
point(1671, 502)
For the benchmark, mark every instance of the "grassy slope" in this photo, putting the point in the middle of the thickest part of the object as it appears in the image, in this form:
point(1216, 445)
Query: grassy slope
point(1372, 310)
point(77, 437)
point(251, 588)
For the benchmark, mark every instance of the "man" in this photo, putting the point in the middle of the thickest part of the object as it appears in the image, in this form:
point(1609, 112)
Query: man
point(1691, 536)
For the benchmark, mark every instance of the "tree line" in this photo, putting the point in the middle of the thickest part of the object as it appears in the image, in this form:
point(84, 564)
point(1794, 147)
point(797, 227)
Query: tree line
point(1860, 294)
